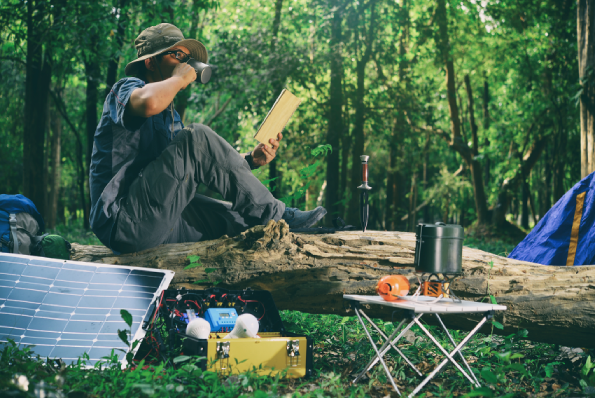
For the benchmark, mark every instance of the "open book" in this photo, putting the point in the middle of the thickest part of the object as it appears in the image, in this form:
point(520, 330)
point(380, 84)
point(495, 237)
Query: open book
point(278, 117)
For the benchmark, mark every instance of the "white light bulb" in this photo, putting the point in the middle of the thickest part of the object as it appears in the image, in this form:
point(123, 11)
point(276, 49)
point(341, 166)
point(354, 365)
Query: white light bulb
point(246, 326)
point(199, 328)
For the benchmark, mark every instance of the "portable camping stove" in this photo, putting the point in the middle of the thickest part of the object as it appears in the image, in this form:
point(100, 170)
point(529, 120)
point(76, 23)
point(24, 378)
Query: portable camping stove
point(438, 286)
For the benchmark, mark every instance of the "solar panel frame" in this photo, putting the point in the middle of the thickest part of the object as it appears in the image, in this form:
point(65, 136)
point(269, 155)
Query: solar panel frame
point(66, 308)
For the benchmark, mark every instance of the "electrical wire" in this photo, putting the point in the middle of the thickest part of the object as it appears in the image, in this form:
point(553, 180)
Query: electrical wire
point(254, 301)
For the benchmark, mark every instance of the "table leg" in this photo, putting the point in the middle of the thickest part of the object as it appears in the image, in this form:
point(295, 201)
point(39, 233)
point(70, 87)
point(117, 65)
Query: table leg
point(391, 343)
point(460, 352)
point(392, 381)
point(445, 361)
point(448, 356)
point(385, 348)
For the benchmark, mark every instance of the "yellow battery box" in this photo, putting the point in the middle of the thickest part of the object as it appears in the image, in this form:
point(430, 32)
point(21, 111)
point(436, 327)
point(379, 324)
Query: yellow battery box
point(275, 350)
point(270, 354)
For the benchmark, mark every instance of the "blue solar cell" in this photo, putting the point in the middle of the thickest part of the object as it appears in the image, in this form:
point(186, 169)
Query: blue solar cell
point(41, 272)
point(30, 296)
point(73, 275)
point(67, 308)
point(12, 269)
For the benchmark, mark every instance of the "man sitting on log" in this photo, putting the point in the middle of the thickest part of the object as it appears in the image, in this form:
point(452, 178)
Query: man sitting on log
point(146, 167)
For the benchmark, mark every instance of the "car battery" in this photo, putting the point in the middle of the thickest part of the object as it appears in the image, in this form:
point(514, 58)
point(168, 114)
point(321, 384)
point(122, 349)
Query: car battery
point(274, 350)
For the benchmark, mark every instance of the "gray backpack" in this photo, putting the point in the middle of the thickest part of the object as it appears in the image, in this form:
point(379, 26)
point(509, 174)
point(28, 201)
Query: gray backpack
point(20, 225)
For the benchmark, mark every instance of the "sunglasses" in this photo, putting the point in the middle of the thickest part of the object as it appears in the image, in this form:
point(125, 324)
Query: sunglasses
point(179, 55)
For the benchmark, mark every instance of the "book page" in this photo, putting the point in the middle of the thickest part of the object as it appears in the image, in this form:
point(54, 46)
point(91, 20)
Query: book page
point(278, 117)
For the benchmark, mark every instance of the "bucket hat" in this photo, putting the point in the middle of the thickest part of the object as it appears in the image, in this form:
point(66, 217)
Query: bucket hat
point(160, 38)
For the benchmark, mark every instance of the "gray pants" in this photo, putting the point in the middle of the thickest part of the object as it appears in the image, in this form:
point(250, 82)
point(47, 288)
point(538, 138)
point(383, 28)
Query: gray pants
point(162, 205)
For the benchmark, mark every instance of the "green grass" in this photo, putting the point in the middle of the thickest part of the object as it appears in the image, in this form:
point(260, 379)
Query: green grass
point(495, 246)
point(508, 366)
point(75, 232)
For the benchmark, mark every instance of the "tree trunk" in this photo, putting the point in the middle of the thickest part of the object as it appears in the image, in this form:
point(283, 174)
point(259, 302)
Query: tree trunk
point(55, 167)
point(335, 116)
point(345, 154)
point(510, 185)
point(547, 195)
point(360, 115)
point(395, 180)
point(586, 63)
point(486, 127)
point(311, 273)
point(112, 67)
point(37, 87)
point(560, 159)
point(456, 142)
point(92, 96)
point(479, 196)
point(525, 205)
point(79, 150)
point(277, 85)
point(184, 95)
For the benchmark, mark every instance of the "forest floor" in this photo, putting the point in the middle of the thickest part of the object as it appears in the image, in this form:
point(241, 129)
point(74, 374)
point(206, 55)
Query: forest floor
point(506, 366)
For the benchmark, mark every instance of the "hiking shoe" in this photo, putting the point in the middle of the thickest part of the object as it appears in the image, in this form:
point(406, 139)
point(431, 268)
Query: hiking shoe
point(296, 218)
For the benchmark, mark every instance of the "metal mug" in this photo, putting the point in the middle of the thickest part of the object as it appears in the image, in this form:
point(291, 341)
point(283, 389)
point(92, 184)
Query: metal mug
point(203, 71)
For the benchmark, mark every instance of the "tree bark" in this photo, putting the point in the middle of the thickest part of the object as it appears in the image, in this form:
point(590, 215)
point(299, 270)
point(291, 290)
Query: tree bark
point(395, 179)
point(510, 185)
point(345, 153)
point(184, 95)
point(335, 116)
point(37, 87)
point(525, 204)
point(112, 67)
point(311, 273)
point(486, 127)
point(277, 85)
point(55, 168)
point(456, 141)
point(360, 115)
point(586, 63)
point(79, 150)
point(546, 194)
point(92, 72)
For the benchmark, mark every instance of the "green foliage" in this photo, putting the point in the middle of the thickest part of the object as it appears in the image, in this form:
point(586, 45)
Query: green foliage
point(587, 373)
point(491, 245)
point(306, 175)
point(524, 55)
point(506, 366)
point(194, 262)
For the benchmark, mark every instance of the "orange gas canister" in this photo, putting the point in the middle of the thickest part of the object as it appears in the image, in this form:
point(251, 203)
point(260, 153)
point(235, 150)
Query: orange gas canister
point(391, 286)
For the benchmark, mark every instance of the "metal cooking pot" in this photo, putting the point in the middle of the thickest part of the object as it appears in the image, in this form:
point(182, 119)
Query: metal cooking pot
point(439, 248)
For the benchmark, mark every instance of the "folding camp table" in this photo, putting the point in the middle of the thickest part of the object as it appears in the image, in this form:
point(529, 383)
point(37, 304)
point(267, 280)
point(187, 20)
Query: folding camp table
point(416, 307)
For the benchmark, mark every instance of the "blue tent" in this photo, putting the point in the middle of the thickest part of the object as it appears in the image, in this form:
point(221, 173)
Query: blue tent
point(565, 235)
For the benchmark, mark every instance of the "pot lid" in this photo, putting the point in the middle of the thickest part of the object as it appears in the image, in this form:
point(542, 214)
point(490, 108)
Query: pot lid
point(440, 230)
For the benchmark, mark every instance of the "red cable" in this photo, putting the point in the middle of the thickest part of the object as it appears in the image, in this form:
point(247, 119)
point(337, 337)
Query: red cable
point(264, 311)
point(194, 301)
point(157, 308)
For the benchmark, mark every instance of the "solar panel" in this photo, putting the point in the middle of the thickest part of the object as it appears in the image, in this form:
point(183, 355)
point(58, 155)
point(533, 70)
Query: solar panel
point(67, 308)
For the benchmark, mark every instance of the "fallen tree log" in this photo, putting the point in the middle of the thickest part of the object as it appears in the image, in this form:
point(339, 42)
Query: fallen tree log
point(310, 273)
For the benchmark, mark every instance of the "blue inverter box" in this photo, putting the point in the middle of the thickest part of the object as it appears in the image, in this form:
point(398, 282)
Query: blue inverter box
point(221, 319)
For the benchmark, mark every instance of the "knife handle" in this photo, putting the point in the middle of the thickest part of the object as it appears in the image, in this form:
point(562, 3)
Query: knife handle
point(364, 172)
